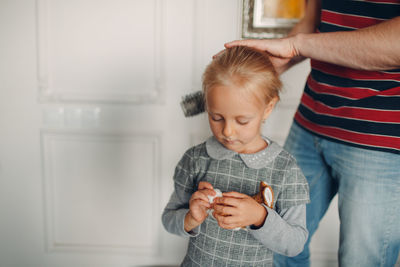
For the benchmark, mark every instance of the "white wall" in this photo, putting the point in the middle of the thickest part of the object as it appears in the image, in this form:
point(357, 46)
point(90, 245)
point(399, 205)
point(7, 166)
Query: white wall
point(91, 127)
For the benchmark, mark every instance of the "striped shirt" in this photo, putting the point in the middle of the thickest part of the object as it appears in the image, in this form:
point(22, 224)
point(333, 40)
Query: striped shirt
point(357, 107)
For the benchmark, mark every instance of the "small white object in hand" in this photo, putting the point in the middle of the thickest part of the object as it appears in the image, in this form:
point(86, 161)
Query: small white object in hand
point(218, 193)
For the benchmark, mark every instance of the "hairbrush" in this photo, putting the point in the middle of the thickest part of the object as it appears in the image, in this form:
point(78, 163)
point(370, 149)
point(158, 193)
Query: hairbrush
point(193, 104)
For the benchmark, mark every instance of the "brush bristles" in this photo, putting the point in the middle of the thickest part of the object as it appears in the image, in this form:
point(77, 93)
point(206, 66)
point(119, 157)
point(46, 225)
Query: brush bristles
point(193, 104)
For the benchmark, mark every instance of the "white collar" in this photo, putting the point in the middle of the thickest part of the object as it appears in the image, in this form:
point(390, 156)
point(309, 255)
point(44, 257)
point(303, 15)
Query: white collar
point(256, 160)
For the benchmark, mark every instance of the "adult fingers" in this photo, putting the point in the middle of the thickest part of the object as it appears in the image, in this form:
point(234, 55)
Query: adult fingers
point(254, 43)
point(282, 47)
point(219, 53)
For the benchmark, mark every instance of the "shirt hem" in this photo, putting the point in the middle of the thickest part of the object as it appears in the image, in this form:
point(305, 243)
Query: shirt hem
point(381, 149)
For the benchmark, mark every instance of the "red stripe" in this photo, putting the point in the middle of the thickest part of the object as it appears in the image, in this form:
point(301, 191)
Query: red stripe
point(352, 73)
point(347, 20)
point(349, 136)
point(386, 116)
point(349, 92)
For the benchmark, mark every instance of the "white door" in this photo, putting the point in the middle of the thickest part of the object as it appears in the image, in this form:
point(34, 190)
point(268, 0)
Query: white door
point(91, 127)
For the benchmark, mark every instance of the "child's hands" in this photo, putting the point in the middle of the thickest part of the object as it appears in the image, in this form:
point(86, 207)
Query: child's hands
point(198, 206)
point(237, 210)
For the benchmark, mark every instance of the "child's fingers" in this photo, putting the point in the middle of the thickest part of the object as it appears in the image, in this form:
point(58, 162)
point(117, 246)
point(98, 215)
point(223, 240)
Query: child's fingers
point(199, 195)
point(226, 222)
point(207, 192)
point(205, 185)
point(224, 210)
point(227, 201)
point(234, 194)
point(200, 202)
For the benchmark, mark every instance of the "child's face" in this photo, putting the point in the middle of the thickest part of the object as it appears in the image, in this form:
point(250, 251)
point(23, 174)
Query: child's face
point(236, 117)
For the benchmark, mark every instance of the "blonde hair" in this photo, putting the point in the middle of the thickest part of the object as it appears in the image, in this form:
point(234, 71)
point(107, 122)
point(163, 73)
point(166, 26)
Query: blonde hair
point(244, 68)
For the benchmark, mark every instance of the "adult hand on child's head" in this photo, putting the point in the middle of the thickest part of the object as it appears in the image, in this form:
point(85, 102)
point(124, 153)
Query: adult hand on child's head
point(280, 51)
point(235, 210)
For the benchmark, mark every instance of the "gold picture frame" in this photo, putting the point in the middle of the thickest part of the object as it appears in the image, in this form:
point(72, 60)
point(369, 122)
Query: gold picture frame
point(270, 18)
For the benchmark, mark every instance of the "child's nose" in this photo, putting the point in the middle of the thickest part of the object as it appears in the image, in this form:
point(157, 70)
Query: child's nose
point(228, 129)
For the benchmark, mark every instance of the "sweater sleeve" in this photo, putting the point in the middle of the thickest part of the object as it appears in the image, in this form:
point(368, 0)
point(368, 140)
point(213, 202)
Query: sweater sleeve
point(284, 233)
point(184, 184)
point(295, 190)
point(284, 230)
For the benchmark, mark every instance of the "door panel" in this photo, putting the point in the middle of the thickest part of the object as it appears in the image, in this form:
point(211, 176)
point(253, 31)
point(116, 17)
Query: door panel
point(91, 126)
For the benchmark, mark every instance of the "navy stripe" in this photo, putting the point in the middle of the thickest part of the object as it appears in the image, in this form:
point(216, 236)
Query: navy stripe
point(362, 8)
point(322, 77)
point(373, 102)
point(352, 125)
point(349, 143)
point(393, 71)
point(326, 27)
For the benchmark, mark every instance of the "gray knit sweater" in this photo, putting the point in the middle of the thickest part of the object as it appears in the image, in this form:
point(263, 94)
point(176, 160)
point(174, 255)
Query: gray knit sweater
point(284, 230)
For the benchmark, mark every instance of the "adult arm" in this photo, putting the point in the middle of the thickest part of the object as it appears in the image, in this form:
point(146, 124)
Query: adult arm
point(372, 48)
point(280, 50)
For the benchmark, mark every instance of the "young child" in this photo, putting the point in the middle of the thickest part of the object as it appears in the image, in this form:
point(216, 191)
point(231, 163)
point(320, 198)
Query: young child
point(241, 88)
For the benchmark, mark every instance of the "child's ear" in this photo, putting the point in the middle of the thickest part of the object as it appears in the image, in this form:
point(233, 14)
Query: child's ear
point(270, 107)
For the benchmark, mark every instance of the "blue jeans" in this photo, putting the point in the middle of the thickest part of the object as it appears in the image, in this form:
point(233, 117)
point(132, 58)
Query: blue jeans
point(368, 186)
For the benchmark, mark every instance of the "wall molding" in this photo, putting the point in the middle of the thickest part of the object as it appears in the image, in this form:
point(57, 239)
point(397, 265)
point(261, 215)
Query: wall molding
point(48, 138)
point(199, 32)
point(48, 93)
